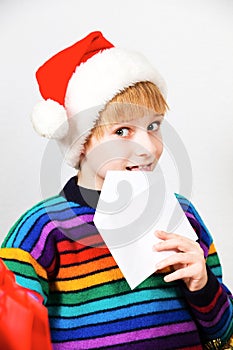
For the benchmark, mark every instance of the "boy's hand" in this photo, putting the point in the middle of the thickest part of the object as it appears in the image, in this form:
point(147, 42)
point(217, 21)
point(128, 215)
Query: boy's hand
point(188, 261)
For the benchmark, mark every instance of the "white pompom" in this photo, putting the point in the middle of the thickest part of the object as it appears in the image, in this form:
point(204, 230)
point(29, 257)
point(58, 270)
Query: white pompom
point(49, 119)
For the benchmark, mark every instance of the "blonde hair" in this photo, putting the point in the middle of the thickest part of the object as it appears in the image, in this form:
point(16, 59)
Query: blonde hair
point(131, 103)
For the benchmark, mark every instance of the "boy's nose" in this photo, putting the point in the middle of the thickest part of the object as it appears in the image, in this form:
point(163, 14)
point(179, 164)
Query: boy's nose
point(145, 144)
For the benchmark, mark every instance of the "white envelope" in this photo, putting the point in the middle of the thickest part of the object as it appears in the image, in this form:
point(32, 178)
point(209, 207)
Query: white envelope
point(131, 207)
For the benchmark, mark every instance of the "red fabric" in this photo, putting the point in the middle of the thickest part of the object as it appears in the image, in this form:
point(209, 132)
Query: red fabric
point(53, 76)
point(23, 319)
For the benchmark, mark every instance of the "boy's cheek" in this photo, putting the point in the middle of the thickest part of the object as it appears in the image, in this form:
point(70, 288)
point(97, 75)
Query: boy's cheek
point(159, 147)
point(109, 151)
point(159, 150)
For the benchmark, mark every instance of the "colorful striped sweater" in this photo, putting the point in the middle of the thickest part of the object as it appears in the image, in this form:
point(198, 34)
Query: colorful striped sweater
point(50, 249)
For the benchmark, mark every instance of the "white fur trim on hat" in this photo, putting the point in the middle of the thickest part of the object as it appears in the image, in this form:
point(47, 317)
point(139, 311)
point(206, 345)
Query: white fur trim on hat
point(49, 119)
point(80, 126)
point(96, 81)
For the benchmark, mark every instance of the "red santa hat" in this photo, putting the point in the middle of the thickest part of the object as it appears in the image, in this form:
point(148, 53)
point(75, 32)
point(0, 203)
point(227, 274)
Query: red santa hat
point(81, 77)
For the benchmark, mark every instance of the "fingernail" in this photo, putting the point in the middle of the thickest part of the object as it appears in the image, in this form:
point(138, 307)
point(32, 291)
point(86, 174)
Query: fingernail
point(166, 279)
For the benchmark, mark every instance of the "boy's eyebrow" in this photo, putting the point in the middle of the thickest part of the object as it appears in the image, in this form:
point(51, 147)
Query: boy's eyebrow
point(156, 116)
point(159, 116)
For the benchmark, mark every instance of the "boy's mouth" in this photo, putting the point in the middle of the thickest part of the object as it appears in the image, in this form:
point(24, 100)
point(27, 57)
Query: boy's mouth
point(144, 167)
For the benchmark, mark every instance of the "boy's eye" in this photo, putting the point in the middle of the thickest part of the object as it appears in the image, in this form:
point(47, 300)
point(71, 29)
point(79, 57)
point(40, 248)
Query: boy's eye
point(153, 126)
point(122, 132)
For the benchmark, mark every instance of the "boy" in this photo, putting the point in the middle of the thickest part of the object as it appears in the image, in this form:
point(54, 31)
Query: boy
point(55, 248)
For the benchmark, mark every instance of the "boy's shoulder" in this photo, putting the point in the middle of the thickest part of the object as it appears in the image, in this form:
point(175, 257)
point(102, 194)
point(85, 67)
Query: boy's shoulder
point(40, 216)
point(195, 220)
point(49, 206)
point(29, 220)
point(188, 207)
point(189, 210)
point(185, 203)
point(55, 207)
point(51, 215)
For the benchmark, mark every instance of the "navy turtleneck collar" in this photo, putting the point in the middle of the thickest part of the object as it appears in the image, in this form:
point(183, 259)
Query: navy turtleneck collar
point(81, 195)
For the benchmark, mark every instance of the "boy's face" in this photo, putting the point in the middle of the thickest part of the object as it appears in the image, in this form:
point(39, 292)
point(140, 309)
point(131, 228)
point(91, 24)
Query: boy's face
point(135, 145)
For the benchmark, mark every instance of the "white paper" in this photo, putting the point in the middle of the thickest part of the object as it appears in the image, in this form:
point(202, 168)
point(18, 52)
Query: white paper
point(132, 206)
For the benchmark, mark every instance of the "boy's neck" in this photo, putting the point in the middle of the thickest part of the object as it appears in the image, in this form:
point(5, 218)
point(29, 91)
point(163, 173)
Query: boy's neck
point(87, 180)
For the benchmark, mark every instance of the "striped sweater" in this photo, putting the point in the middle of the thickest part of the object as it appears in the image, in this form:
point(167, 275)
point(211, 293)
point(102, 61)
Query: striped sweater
point(55, 249)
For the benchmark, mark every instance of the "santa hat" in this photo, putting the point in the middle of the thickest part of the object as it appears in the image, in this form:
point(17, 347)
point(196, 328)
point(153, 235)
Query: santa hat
point(82, 78)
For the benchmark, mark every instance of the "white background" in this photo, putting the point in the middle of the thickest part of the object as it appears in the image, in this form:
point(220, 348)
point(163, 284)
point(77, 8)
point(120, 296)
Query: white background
point(188, 41)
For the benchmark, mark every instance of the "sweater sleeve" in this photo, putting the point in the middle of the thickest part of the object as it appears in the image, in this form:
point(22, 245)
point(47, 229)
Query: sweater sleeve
point(212, 306)
point(28, 273)
point(29, 250)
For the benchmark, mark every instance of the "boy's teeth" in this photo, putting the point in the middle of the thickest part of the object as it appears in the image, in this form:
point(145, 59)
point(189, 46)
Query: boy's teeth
point(139, 167)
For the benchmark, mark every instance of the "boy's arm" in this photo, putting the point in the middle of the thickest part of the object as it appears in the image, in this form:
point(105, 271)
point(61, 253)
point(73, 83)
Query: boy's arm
point(29, 250)
point(27, 271)
point(212, 306)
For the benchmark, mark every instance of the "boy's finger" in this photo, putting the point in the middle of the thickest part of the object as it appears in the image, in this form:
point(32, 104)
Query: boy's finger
point(176, 258)
point(169, 235)
point(177, 244)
